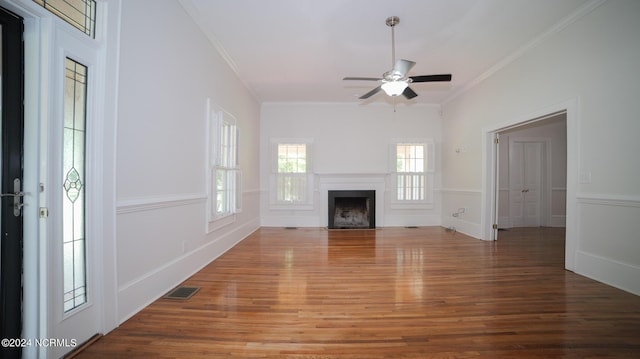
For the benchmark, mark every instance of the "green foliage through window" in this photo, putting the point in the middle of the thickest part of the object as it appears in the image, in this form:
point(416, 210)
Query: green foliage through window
point(292, 158)
point(291, 179)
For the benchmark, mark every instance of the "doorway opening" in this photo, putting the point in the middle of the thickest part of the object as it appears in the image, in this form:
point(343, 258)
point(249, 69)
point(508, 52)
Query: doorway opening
point(491, 169)
point(532, 174)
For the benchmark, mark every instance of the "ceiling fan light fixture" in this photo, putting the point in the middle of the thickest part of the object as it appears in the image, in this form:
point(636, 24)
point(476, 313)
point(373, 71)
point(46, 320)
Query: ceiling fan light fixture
point(394, 88)
point(395, 82)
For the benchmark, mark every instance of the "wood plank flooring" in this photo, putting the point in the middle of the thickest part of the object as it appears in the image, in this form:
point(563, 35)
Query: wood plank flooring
point(386, 293)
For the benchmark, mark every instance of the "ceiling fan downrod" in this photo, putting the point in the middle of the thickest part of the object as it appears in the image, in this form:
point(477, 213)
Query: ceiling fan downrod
point(392, 21)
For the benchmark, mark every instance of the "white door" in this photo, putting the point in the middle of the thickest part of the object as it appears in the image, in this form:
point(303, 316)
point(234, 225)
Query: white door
point(525, 183)
point(74, 305)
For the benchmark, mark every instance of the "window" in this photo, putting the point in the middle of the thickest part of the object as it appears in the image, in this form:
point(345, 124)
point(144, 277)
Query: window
point(410, 165)
point(413, 170)
point(292, 170)
point(292, 178)
point(225, 176)
point(73, 210)
point(81, 14)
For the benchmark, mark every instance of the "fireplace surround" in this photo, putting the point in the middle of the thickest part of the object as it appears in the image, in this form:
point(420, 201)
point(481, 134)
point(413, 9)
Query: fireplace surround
point(351, 209)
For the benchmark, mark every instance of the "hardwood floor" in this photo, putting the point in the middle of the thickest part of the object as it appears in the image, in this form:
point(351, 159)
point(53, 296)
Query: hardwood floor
point(386, 293)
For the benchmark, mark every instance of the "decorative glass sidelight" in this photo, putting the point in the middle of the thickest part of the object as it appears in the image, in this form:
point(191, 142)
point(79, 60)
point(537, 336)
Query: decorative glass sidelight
point(81, 14)
point(73, 209)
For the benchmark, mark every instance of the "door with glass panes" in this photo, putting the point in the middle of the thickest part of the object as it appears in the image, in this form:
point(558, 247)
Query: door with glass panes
point(75, 311)
point(74, 304)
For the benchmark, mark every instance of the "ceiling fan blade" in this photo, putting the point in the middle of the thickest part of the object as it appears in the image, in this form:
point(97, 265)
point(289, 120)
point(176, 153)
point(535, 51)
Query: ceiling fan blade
point(431, 78)
point(363, 78)
point(403, 66)
point(371, 93)
point(409, 93)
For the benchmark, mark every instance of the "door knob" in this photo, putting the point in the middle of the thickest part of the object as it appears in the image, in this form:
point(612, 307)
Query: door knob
point(17, 197)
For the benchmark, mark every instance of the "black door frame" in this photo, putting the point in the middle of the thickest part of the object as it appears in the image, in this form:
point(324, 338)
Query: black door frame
point(12, 168)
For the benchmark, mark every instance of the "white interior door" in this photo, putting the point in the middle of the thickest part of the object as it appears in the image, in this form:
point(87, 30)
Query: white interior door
point(532, 184)
point(496, 187)
point(525, 183)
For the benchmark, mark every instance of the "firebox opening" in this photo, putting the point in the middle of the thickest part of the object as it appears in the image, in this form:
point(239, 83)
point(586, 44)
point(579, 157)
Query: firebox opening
point(351, 209)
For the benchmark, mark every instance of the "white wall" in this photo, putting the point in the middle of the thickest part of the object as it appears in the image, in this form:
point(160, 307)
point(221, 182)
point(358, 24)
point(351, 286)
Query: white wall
point(166, 75)
point(592, 62)
point(351, 143)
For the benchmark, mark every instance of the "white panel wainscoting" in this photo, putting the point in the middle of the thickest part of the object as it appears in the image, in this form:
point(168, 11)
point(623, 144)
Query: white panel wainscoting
point(397, 218)
point(161, 241)
point(609, 228)
point(614, 273)
point(461, 210)
point(291, 218)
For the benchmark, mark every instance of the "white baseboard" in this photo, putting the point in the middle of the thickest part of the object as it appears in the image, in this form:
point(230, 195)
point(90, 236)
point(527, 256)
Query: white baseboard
point(616, 274)
point(465, 227)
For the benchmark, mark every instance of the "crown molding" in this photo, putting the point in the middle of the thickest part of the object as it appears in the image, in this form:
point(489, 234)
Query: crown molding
point(192, 11)
point(570, 19)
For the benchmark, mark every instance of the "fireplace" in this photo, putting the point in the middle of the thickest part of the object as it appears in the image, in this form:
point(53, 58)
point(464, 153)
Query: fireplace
point(352, 209)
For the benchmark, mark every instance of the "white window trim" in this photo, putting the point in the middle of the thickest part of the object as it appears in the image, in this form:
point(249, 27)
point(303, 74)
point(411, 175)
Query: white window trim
point(215, 118)
point(429, 173)
point(274, 204)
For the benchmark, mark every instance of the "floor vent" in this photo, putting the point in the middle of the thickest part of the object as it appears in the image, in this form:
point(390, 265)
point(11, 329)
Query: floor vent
point(290, 227)
point(182, 293)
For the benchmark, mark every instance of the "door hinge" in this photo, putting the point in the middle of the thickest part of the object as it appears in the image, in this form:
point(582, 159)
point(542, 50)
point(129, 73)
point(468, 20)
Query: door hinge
point(495, 226)
point(44, 212)
point(496, 141)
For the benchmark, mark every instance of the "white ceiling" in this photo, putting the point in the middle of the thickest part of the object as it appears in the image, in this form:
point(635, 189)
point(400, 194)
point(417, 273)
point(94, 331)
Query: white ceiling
point(299, 50)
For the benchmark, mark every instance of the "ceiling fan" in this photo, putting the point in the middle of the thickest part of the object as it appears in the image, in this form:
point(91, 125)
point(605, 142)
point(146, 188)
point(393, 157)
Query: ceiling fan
point(395, 82)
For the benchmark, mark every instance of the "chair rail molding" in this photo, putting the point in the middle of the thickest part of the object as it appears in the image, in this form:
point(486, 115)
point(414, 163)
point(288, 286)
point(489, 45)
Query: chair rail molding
point(609, 199)
point(150, 203)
